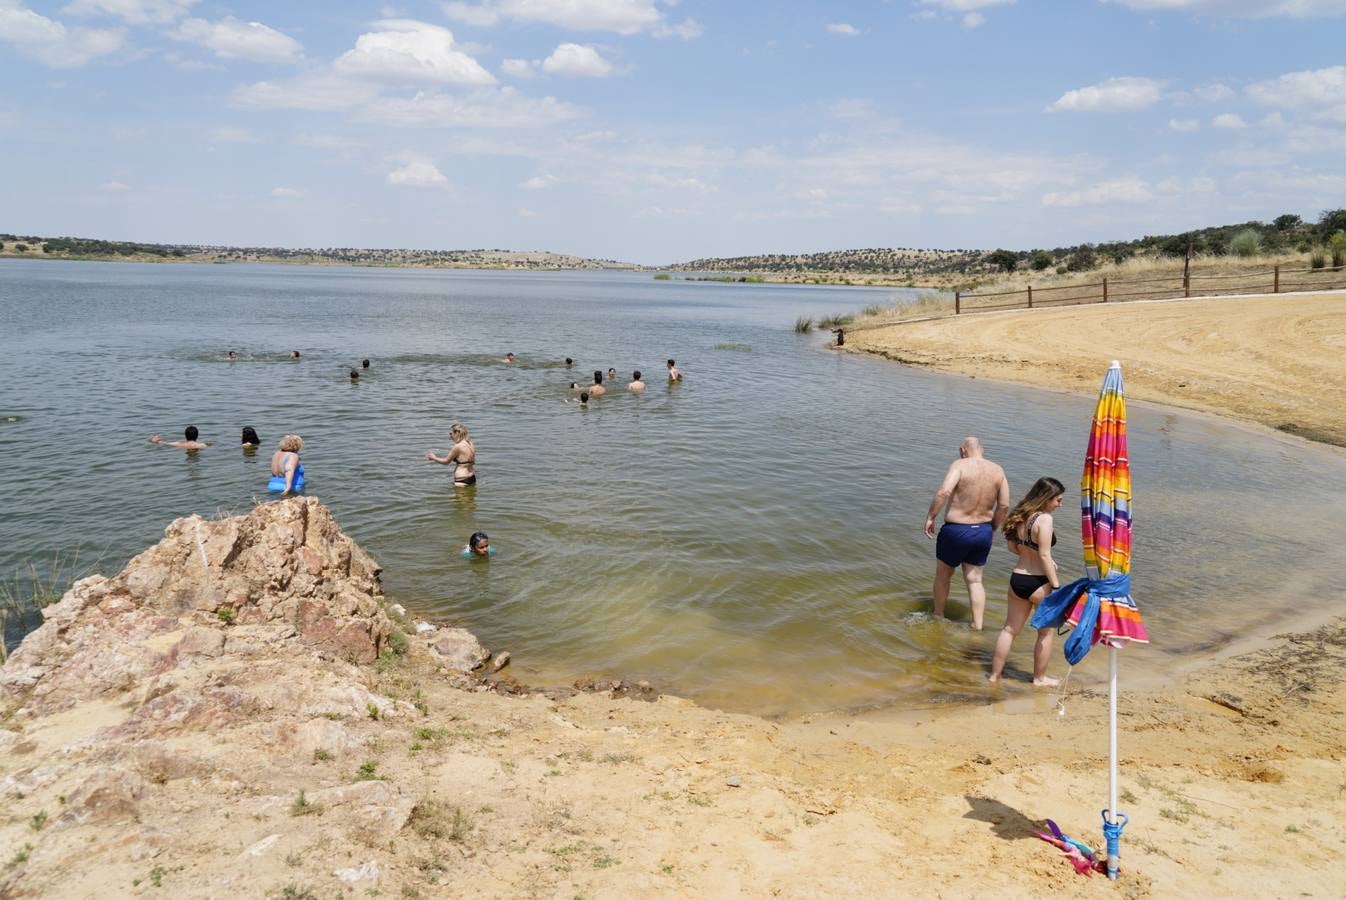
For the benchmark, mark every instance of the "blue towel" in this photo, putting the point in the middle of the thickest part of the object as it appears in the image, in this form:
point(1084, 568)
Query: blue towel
point(1056, 606)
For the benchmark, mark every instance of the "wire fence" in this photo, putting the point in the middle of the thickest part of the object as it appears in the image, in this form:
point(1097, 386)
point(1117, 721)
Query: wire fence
point(1276, 280)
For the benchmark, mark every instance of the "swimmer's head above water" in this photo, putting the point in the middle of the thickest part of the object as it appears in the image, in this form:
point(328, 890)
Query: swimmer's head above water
point(598, 377)
point(612, 374)
point(584, 398)
point(250, 438)
point(233, 355)
point(190, 432)
point(569, 362)
point(364, 364)
point(294, 354)
point(355, 375)
point(479, 544)
point(509, 357)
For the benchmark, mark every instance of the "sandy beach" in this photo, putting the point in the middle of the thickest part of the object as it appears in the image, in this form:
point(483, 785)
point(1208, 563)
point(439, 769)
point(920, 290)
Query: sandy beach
point(1274, 360)
point(153, 745)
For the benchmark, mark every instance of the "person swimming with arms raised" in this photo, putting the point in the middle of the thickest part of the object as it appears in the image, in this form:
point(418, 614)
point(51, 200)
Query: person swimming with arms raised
point(190, 443)
point(636, 386)
point(463, 456)
point(287, 472)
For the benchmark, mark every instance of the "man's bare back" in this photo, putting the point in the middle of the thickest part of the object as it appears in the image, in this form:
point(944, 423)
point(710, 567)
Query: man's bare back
point(976, 492)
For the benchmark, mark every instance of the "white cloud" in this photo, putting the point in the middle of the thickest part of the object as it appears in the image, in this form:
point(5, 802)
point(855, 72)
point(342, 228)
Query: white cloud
point(973, 19)
point(1313, 87)
point(538, 182)
point(230, 38)
point(285, 192)
point(1213, 93)
point(844, 28)
point(1113, 95)
point(114, 187)
point(503, 108)
point(518, 68)
point(1228, 120)
point(52, 43)
point(577, 61)
point(1243, 9)
point(232, 135)
point(1118, 190)
point(1273, 120)
point(316, 91)
point(418, 172)
point(680, 184)
point(620, 16)
point(686, 29)
point(1184, 125)
point(526, 213)
point(965, 5)
point(133, 12)
point(407, 50)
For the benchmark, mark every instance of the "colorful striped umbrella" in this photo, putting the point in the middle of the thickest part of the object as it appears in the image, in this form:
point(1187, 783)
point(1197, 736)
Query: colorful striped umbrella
point(1105, 516)
point(1099, 606)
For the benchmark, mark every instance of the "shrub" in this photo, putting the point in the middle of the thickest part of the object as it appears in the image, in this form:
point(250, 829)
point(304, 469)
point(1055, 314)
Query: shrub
point(1287, 222)
point(1040, 260)
point(663, 276)
point(1005, 260)
point(1061, 270)
point(1318, 258)
point(803, 324)
point(1337, 244)
point(1082, 260)
point(22, 248)
point(1246, 243)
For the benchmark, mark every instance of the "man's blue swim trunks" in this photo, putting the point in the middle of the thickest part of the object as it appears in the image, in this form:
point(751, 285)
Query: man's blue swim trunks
point(958, 544)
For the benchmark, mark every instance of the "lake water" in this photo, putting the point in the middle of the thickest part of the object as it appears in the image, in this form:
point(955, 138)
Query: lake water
point(750, 538)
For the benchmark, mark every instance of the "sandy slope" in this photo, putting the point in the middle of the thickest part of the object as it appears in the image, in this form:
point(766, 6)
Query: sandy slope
point(1276, 360)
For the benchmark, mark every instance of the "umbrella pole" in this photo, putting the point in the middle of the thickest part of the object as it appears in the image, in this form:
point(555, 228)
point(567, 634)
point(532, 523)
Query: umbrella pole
point(1111, 830)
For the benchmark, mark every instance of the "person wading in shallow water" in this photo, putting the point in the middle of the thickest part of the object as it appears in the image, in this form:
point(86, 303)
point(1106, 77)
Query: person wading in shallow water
point(976, 494)
point(463, 456)
point(841, 336)
point(190, 443)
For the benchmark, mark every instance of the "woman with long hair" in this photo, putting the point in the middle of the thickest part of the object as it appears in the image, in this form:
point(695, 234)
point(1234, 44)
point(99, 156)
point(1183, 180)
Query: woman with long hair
point(463, 456)
point(1029, 530)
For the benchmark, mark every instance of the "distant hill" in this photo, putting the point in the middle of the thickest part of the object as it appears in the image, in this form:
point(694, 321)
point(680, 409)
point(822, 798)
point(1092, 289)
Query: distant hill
point(1284, 234)
point(90, 248)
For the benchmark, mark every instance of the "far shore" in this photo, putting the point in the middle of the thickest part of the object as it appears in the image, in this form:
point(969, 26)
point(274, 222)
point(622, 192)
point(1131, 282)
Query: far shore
point(1277, 361)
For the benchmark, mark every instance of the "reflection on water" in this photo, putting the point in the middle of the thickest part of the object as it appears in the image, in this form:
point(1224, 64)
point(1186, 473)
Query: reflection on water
point(750, 537)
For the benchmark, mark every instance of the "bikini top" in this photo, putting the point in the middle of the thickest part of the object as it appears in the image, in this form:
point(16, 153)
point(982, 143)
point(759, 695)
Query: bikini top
point(1028, 534)
point(1027, 530)
point(298, 466)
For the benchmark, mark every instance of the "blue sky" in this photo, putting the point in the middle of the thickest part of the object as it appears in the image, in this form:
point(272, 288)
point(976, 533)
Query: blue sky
point(655, 131)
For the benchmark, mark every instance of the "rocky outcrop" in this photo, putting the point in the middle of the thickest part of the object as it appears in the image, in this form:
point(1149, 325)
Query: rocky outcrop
point(283, 572)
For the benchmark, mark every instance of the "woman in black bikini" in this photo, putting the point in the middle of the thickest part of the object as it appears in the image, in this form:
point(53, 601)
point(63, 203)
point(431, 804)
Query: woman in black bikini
point(463, 456)
point(1029, 530)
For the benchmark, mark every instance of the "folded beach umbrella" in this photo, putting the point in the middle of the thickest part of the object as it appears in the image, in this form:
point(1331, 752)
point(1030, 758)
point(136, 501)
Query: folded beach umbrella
point(1099, 606)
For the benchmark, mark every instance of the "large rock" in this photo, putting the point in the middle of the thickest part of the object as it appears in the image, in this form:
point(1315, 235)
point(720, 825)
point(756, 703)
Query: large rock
point(459, 649)
point(285, 567)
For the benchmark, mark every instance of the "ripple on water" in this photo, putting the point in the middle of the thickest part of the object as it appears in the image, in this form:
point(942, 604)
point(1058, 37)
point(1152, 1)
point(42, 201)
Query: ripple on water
point(750, 537)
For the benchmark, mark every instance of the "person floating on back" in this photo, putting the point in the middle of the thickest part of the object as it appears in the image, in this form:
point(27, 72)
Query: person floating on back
point(287, 472)
point(976, 494)
point(190, 443)
point(636, 386)
point(673, 373)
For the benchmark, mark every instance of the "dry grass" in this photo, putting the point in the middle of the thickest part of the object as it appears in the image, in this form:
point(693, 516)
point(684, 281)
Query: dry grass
point(1151, 277)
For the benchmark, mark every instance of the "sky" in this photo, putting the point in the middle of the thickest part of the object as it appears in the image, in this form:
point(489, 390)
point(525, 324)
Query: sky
point(656, 131)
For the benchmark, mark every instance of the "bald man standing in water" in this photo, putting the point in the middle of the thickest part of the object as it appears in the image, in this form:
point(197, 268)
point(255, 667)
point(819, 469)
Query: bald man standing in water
point(976, 494)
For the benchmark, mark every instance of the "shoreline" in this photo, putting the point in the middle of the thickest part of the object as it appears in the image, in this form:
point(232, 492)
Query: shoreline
point(1252, 360)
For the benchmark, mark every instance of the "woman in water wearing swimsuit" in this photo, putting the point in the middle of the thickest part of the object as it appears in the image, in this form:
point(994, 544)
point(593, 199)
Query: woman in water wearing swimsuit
point(1029, 530)
point(463, 455)
point(287, 473)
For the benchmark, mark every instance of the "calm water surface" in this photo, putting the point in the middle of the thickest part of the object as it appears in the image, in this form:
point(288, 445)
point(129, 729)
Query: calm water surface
point(750, 537)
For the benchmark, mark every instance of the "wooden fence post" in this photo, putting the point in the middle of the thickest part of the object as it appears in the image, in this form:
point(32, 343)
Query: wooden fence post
point(1276, 281)
point(1186, 272)
point(957, 302)
point(1030, 296)
point(1105, 290)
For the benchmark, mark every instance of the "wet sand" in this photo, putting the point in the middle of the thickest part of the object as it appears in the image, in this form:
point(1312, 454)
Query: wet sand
point(1275, 360)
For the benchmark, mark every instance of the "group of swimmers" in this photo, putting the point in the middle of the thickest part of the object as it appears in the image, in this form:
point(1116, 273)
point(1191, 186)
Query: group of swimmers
point(974, 497)
point(635, 385)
